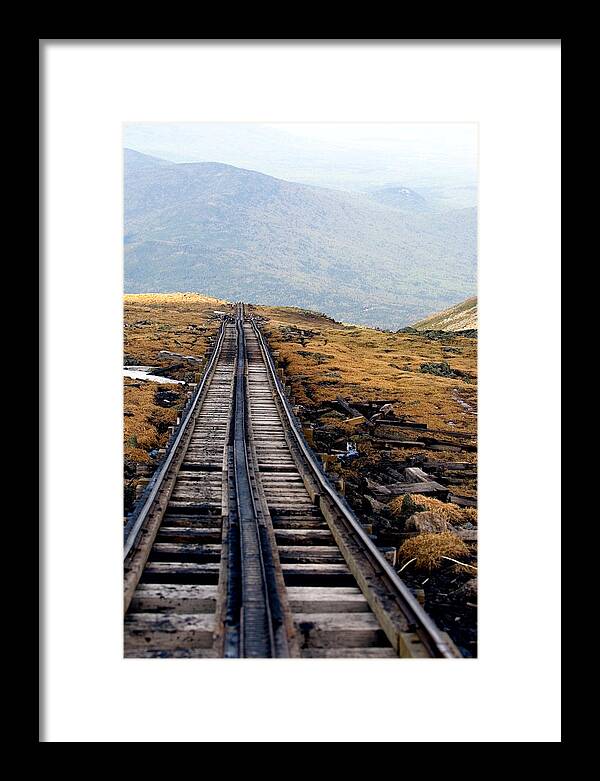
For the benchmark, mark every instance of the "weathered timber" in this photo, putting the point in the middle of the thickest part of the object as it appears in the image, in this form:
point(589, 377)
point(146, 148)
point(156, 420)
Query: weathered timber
point(449, 465)
point(309, 554)
point(349, 653)
point(347, 408)
point(327, 630)
point(462, 501)
point(311, 599)
point(358, 420)
point(150, 598)
point(416, 475)
point(420, 487)
point(391, 423)
point(376, 488)
point(302, 536)
point(161, 632)
point(398, 443)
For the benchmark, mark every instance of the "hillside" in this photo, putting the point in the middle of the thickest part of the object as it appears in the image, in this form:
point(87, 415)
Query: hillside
point(399, 197)
point(240, 234)
point(461, 317)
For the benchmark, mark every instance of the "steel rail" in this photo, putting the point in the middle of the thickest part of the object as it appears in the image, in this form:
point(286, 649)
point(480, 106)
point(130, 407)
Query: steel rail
point(260, 615)
point(131, 534)
point(423, 625)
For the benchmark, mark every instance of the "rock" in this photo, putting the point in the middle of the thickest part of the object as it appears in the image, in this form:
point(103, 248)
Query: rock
point(468, 590)
point(426, 522)
point(376, 507)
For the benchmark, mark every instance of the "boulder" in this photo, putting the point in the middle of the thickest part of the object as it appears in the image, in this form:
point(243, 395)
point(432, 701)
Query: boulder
point(426, 522)
point(468, 591)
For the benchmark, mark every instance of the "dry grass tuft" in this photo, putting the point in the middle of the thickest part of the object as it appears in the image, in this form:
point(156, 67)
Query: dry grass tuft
point(146, 423)
point(428, 550)
point(407, 504)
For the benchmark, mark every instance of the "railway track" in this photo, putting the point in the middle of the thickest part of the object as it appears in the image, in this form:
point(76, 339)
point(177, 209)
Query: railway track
point(241, 547)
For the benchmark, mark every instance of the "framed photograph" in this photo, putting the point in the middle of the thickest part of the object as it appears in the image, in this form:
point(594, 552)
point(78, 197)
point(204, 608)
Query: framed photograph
point(298, 283)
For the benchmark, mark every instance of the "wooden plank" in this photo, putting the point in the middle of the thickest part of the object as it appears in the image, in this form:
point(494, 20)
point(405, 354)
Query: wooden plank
point(449, 465)
point(355, 421)
point(172, 653)
point(180, 572)
point(416, 475)
point(188, 534)
point(347, 408)
point(417, 488)
point(376, 488)
point(349, 653)
point(309, 554)
point(383, 422)
point(174, 598)
point(329, 574)
point(188, 549)
point(306, 524)
point(347, 630)
point(390, 616)
point(312, 599)
point(397, 443)
point(155, 631)
point(301, 536)
point(462, 501)
point(194, 507)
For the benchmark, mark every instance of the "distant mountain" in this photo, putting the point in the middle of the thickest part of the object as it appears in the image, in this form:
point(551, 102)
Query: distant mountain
point(461, 317)
point(399, 197)
point(243, 235)
point(417, 156)
point(136, 162)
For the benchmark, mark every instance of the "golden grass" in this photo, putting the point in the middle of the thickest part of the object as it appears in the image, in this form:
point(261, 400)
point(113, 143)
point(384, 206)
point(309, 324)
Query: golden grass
point(323, 359)
point(361, 363)
point(407, 504)
point(177, 322)
point(428, 550)
point(145, 424)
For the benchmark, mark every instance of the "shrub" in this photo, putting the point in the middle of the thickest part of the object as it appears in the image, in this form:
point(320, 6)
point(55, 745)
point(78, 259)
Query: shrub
point(428, 550)
point(407, 504)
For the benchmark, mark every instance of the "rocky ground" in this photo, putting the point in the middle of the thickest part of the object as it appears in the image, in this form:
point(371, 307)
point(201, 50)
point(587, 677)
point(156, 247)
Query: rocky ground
point(393, 416)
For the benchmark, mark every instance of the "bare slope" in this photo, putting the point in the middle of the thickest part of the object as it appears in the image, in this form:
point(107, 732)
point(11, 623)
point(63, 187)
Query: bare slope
point(461, 317)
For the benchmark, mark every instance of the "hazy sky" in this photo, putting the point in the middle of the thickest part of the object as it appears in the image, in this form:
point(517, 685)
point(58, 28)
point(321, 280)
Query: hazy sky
point(345, 155)
point(454, 139)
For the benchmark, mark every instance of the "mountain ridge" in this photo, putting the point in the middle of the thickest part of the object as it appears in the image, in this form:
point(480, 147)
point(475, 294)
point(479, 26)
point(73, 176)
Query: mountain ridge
point(241, 234)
